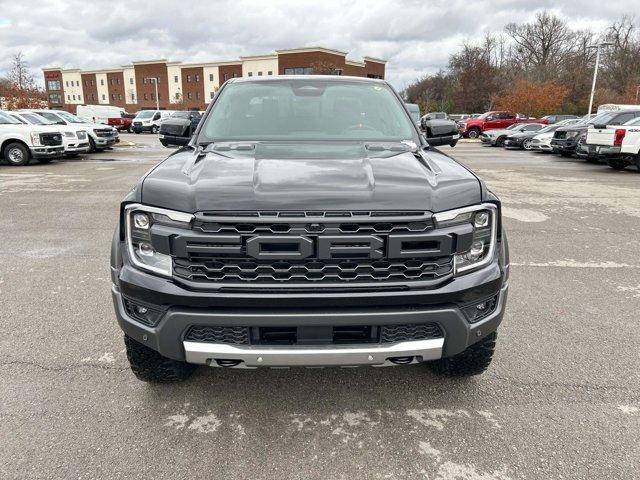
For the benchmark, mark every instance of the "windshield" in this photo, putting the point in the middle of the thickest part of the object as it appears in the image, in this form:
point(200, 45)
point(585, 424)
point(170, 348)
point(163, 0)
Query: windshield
point(603, 118)
point(549, 128)
point(515, 126)
point(146, 114)
point(70, 118)
point(34, 119)
point(52, 117)
point(307, 110)
point(4, 118)
point(181, 114)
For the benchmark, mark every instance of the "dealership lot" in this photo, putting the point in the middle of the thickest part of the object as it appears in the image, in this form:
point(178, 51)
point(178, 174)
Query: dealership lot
point(559, 401)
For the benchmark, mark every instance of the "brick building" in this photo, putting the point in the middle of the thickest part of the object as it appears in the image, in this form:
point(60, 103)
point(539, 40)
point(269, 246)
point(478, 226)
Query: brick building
point(190, 85)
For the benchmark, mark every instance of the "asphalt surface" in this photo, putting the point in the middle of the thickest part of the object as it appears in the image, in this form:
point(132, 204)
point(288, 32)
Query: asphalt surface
point(561, 399)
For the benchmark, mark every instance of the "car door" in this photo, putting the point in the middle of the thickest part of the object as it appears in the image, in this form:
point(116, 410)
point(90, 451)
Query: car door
point(492, 122)
point(505, 119)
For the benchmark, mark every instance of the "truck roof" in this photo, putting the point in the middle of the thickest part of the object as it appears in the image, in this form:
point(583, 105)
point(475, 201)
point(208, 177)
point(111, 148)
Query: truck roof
point(328, 78)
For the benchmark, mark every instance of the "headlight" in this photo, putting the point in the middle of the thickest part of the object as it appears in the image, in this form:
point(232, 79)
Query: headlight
point(35, 139)
point(483, 219)
point(68, 134)
point(81, 134)
point(571, 134)
point(139, 221)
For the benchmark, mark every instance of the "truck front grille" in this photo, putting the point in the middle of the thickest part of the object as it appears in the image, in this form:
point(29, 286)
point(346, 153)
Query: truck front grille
point(351, 334)
point(51, 139)
point(303, 249)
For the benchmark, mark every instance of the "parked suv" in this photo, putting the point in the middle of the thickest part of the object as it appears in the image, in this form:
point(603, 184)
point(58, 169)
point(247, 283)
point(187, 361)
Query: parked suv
point(308, 223)
point(19, 142)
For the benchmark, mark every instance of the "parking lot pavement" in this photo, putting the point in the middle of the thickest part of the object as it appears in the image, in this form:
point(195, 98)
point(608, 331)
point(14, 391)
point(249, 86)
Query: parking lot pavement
point(561, 399)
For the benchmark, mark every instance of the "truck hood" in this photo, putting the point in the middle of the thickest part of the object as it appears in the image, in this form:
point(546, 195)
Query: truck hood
point(293, 177)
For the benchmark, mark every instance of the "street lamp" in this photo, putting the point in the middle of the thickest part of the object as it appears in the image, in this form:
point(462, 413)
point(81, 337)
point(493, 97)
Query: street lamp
point(154, 80)
point(595, 71)
point(637, 92)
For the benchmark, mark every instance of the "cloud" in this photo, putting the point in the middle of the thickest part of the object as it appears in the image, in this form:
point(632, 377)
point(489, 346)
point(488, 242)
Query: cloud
point(417, 37)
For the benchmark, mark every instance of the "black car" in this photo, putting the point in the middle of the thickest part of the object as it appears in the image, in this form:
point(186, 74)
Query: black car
point(308, 223)
point(565, 139)
point(522, 138)
point(178, 128)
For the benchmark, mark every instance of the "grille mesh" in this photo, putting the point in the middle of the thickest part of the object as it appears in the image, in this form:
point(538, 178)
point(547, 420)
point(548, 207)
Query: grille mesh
point(406, 332)
point(228, 335)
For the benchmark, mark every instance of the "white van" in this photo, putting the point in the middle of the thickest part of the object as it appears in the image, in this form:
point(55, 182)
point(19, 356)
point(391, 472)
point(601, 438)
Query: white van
point(150, 120)
point(99, 113)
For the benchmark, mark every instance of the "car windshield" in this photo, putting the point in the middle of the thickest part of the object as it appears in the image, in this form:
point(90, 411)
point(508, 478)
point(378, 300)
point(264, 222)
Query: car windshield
point(4, 119)
point(146, 114)
point(307, 110)
point(549, 128)
point(34, 119)
point(70, 118)
point(515, 126)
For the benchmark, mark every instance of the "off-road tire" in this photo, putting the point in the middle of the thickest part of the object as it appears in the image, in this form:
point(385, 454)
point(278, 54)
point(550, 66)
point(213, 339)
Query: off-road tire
point(92, 146)
point(22, 155)
point(149, 366)
point(473, 361)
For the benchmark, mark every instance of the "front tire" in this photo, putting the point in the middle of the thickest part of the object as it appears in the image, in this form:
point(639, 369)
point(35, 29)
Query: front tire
point(473, 361)
point(473, 133)
point(617, 164)
point(154, 129)
point(149, 366)
point(500, 142)
point(526, 144)
point(16, 154)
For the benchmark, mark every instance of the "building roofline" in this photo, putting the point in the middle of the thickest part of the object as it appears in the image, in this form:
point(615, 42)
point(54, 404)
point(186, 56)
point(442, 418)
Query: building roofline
point(354, 63)
point(211, 64)
point(148, 62)
point(103, 70)
point(269, 56)
point(310, 49)
point(375, 60)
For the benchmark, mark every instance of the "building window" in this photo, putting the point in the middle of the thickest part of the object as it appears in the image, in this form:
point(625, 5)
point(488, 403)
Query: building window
point(250, 74)
point(226, 77)
point(189, 95)
point(92, 82)
point(68, 97)
point(235, 75)
point(211, 77)
point(118, 81)
point(159, 96)
point(211, 94)
point(133, 97)
point(298, 71)
point(93, 96)
point(131, 80)
point(104, 97)
point(84, 82)
point(53, 84)
point(102, 82)
point(67, 83)
point(77, 83)
point(111, 81)
point(189, 78)
point(113, 96)
point(177, 95)
point(119, 96)
point(259, 74)
point(269, 72)
point(55, 98)
point(153, 96)
point(80, 97)
point(144, 80)
point(145, 96)
point(197, 78)
point(197, 95)
point(175, 79)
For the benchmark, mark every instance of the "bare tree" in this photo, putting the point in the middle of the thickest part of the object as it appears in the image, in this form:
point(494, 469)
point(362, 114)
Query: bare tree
point(19, 74)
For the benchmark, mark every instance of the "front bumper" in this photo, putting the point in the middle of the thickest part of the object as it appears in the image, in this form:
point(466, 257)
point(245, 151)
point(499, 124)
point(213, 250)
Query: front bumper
point(513, 143)
point(487, 139)
point(182, 308)
point(79, 147)
point(142, 128)
point(102, 142)
point(47, 152)
point(564, 144)
point(541, 146)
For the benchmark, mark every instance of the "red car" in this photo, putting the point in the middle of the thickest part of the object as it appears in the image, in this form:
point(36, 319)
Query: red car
point(122, 123)
point(473, 127)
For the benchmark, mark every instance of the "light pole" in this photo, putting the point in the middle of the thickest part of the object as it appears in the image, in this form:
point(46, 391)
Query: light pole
point(154, 80)
point(595, 70)
point(637, 91)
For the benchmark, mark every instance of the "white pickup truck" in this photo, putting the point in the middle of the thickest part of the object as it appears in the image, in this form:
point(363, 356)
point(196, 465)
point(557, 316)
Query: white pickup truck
point(75, 141)
point(619, 145)
point(19, 143)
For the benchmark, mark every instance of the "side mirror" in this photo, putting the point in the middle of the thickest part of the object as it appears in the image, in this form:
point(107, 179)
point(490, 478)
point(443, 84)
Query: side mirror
point(490, 118)
point(441, 132)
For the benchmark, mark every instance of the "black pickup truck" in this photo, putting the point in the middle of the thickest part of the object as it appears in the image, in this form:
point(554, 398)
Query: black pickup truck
point(308, 223)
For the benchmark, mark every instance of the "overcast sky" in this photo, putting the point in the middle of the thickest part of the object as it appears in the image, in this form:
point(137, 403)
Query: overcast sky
point(416, 37)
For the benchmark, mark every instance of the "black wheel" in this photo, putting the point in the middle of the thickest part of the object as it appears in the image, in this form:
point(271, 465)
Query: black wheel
point(154, 129)
point(71, 155)
point(164, 144)
point(500, 142)
point(16, 154)
point(149, 366)
point(473, 361)
point(137, 132)
point(44, 160)
point(566, 154)
point(129, 130)
point(617, 163)
point(92, 146)
point(473, 133)
point(526, 144)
